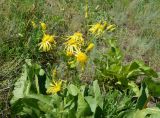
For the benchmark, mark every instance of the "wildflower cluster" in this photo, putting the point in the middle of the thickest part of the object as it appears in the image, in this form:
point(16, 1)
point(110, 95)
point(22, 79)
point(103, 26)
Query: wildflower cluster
point(42, 24)
point(99, 28)
point(74, 43)
point(74, 94)
point(73, 47)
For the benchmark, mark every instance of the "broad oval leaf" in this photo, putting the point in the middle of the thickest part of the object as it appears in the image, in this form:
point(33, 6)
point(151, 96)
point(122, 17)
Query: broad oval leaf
point(73, 90)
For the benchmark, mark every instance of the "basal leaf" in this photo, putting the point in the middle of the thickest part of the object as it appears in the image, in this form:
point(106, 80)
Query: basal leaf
point(133, 66)
point(26, 106)
point(73, 90)
point(144, 113)
point(83, 107)
point(97, 92)
point(43, 98)
point(92, 103)
point(147, 70)
point(143, 97)
point(135, 88)
point(153, 86)
point(20, 86)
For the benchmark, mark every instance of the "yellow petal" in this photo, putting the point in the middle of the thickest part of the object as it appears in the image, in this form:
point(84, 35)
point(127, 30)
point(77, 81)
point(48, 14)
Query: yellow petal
point(90, 47)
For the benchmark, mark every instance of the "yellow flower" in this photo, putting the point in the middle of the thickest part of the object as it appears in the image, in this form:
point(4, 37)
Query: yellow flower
point(71, 49)
point(90, 47)
point(77, 38)
point(47, 40)
point(97, 29)
point(54, 87)
point(74, 43)
point(111, 28)
point(33, 24)
point(43, 25)
point(45, 46)
point(82, 59)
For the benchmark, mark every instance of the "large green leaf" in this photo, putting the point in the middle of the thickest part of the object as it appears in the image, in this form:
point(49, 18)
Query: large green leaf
point(95, 99)
point(92, 103)
point(29, 81)
point(143, 97)
point(21, 86)
point(134, 87)
point(35, 102)
point(83, 109)
point(133, 66)
point(147, 70)
point(26, 106)
point(133, 70)
point(43, 98)
point(97, 93)
point(153, 86)
point(144, 113)
point(56, 100)
point(73, 90)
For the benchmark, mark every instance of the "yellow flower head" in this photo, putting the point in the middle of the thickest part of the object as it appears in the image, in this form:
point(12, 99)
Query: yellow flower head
point(71, 49)
point(82, 59)
point(47, 40)
point(43, 25)
point(111, 28)
point(77, 37)
point(54, 87)
point(45, 46)
point(90, 47)
point(34, 24)
point(74, 43)
point(97, 29)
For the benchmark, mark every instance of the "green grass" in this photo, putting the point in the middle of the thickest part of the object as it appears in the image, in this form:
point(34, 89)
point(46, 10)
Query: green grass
point(139, 22)
point(138, 29)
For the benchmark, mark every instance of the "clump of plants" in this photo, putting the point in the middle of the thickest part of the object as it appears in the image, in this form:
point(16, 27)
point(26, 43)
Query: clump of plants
point(57, 88)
